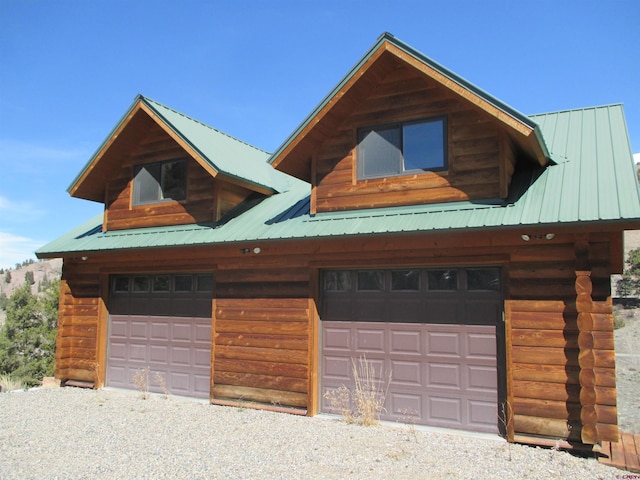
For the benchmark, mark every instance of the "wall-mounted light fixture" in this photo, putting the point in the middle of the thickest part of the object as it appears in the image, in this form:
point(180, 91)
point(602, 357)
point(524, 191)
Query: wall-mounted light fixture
point(538, 236)
point(256, 250)
point(84, 259)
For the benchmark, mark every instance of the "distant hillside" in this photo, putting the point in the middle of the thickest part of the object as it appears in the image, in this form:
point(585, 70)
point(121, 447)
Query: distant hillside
point(49, 269)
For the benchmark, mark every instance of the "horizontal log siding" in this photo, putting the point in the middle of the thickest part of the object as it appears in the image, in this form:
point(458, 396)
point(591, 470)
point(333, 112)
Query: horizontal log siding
point(261, 332)
point(546, 363)
point(77, 336)
point(474, 150)
point(155, 145)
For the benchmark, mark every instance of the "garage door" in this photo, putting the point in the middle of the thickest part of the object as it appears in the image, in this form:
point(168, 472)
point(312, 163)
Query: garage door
point(162, 322)
point(429, 334)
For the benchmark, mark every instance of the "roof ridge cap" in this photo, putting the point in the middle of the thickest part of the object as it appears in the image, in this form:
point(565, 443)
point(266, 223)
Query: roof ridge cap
point(578, 109)
point(147, 100)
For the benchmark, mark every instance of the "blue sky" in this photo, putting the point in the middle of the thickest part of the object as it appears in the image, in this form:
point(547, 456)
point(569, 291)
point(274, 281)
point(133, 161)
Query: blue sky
point(255, 69)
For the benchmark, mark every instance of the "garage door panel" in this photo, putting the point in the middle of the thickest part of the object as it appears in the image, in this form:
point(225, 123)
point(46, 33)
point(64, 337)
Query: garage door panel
point(202, 333)
point(445, 411)
point(119, 327)
point(336, 368)
point(482, 415)
point(481, 344)
point(442, 342)
point(180, 356)
point(406, 406)
point(444, 309)
point(405, 342)
point(158, 331)
point(180, 331)
point(337, 339)
point(404, 307)
point(158, 353)
point(138, 329)
point(482, 378)
point(137, 352)
point(444, 375)
point(369, 310)
point(405, 373)
point(481, 311)
point(370, 340)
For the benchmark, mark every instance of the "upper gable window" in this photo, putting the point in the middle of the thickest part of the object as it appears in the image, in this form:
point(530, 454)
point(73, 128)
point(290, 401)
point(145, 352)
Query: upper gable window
point(160, 182)
point(402, 148)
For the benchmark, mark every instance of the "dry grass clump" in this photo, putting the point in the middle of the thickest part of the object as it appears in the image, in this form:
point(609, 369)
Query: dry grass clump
point(364, 403)
point(8, 383)
point(141, 380)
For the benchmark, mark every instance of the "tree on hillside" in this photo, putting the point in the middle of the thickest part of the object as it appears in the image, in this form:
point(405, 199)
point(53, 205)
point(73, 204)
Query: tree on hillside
point(629, 284)
point(7, 277)
point(28, 337)
point(28, 278)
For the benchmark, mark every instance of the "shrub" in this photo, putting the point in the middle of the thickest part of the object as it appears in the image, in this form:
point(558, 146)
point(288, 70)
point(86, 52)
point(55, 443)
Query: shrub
point(28, 336)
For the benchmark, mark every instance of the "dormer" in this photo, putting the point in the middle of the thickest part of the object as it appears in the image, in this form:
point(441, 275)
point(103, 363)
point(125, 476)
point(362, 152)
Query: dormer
point(400, 129)
point(159, 167)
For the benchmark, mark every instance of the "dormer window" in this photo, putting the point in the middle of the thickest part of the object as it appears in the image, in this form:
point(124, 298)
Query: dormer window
point(402, 148)
point(160, 182)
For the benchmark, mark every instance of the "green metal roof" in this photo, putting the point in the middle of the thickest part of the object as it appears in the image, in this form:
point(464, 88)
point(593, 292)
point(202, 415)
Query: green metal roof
point(387, 37)
point(593, 182)
point(226, 154)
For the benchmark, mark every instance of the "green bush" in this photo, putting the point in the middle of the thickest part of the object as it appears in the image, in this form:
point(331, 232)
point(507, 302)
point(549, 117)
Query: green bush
point(28, 337)
point(629, 284)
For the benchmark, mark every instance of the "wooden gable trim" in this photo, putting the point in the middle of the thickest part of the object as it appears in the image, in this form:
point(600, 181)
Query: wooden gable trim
point(311, 124)
point(103, 149)
point(460, 90)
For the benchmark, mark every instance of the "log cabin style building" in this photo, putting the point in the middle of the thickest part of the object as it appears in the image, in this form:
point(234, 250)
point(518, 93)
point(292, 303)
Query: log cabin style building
point(462, 247)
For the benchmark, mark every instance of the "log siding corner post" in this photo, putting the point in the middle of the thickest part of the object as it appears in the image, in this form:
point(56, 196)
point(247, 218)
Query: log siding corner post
point(586, 357)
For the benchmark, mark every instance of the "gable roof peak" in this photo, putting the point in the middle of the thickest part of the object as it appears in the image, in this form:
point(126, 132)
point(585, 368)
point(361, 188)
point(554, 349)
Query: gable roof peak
point(386, 42)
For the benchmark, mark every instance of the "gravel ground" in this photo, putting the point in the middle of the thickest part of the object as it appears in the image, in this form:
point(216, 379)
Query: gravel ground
point(69, 433)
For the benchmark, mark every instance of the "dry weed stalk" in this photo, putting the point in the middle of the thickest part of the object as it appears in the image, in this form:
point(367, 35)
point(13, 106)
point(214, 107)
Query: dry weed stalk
point(365, 402)
point(158, 379)
point(505, 419)
point(141, 380)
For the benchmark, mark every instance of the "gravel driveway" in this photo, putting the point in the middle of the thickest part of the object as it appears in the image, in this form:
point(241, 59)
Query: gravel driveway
point(69, 433)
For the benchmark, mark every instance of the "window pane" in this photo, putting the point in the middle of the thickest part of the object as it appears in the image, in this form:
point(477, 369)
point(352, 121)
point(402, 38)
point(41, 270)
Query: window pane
point(205, 283)
point(121, 284)
point(423, 145)
point(183, 283)
point(337, 281)
point(161, 283)
point(443, 279)
point(147, 184)
point(405, 280)
point(379, 152)
point(483, 279)
point(174, 180)
point(140, 284)
point(371, 281)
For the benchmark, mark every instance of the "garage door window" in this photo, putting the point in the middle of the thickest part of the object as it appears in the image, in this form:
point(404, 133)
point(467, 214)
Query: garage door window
point(183, 283)
point(141, 284)
point(370, 281)
point(121, 284)
point(161, 283)
point(443, 279)
point(337, 281)
point(483, 279)
point(405, 280)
